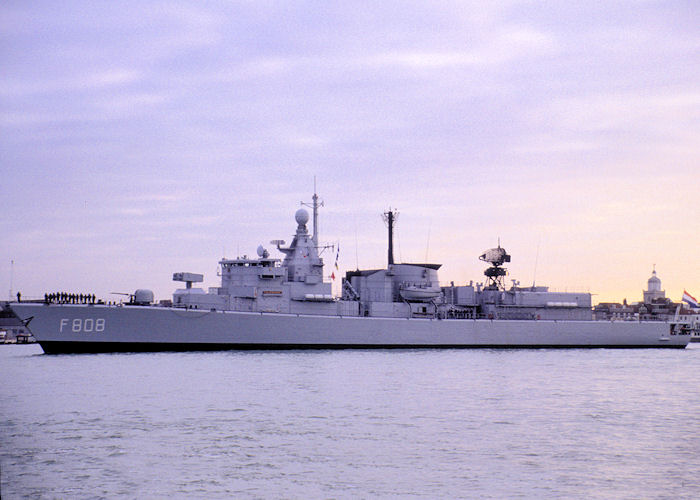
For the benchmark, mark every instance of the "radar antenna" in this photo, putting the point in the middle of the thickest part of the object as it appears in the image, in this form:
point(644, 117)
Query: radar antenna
point(495, 274)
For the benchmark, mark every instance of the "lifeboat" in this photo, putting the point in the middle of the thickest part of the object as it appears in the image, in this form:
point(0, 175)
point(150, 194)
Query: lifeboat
point(417, 293)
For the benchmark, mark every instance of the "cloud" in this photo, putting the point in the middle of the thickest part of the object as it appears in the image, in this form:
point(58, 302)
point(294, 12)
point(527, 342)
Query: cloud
point(91, 80)
point(127, 104)
point(636, 110)
point(424, 60)
point(487, 49)
point(111, 77)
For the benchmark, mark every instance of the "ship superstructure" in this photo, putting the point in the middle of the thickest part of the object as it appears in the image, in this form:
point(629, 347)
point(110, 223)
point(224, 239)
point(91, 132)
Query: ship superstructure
point(413, 290)
point(293, 285)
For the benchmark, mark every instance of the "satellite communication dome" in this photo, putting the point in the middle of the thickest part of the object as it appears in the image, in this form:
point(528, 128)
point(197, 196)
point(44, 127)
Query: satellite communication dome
point(302, 216)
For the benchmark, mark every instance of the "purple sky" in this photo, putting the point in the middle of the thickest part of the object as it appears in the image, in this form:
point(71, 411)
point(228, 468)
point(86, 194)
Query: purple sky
point(142, 138)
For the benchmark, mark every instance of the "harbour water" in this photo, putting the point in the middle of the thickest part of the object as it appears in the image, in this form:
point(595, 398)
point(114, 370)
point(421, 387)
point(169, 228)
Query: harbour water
point(543, 423)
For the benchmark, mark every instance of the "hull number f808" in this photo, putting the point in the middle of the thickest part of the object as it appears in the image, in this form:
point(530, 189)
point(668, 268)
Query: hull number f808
point(79, 325)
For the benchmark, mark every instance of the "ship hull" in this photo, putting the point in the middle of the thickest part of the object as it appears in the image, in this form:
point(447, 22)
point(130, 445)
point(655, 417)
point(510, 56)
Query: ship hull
point(101, 328)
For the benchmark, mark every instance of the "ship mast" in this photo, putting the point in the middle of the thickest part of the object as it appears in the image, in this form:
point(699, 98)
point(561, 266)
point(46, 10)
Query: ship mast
point(390, 217)
point(314, 205)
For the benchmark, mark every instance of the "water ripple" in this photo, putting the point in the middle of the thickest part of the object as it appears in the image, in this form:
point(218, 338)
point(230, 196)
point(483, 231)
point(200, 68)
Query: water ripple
point(351, 424)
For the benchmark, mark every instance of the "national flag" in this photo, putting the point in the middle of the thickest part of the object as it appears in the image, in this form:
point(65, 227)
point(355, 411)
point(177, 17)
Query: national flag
point(689, 299)
point(333, 276)
point(337, 254)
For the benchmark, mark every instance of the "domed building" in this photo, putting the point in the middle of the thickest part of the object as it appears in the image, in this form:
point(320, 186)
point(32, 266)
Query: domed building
point(653, 292)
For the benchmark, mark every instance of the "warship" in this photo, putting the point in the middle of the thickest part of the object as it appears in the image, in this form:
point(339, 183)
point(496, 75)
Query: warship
point(286, 303)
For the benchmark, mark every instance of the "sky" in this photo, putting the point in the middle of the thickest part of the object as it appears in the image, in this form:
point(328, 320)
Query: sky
point(138, 139)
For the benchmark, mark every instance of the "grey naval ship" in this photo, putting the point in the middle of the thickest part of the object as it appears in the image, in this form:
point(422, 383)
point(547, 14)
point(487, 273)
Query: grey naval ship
point(273, 303)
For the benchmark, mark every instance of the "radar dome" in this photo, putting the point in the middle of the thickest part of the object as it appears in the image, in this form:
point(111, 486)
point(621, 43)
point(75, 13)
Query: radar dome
point(302, 216)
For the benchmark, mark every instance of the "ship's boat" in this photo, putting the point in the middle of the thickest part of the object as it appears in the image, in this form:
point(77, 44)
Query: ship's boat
point(419, 293)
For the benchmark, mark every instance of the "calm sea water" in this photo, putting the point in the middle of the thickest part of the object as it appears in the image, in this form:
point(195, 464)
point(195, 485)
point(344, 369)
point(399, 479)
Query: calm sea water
point(351, 424)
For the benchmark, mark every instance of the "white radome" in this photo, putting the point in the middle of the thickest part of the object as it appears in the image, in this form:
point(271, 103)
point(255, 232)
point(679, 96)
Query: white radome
point(301, 216)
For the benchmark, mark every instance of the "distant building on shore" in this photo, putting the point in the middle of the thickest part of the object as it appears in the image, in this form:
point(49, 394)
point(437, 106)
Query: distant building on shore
point(655, 306)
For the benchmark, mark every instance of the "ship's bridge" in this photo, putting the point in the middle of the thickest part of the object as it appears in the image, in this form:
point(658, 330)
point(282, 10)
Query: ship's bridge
point(227, 264)
point(245, 271)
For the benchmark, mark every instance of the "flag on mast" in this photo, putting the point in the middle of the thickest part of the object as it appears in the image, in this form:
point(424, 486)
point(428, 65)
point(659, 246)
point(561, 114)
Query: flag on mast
point(690, 300)
point(336, 263)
